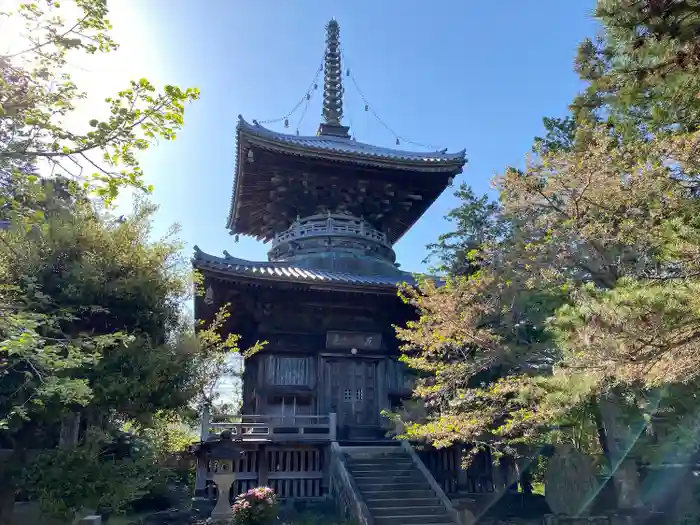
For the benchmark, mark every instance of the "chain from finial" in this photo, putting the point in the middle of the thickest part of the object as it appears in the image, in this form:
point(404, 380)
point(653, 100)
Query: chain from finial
point(332, 82)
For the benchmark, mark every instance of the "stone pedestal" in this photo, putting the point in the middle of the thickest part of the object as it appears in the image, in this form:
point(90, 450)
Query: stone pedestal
point(224, 477)
point(466, 516)
point(570, 482)
point(90, 520)
point(621, 436)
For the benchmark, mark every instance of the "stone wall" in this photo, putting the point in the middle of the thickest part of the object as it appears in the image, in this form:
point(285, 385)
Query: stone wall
point(29, 513)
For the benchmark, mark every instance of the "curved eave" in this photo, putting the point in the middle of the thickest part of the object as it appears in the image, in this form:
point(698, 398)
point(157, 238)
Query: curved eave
point(338, 150)
point(234, 269)
point(348, 150)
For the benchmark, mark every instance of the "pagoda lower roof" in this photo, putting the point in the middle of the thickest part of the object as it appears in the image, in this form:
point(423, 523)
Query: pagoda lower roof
point(351, 150)
point(241, 269)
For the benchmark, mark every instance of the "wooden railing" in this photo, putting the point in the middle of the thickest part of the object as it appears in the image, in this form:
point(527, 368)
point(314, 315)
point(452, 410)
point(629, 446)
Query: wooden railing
point(275, 428)
point(345, 491)
point(334, 224)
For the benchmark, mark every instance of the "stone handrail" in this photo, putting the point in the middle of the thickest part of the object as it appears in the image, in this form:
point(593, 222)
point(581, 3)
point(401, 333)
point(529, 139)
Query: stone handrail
point(345, 490)
point(431, 480)
point(334, 224)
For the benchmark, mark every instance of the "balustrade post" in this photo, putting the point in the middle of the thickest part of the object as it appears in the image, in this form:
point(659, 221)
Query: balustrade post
point(205, 422)
point(333, 425)
point(200, 476)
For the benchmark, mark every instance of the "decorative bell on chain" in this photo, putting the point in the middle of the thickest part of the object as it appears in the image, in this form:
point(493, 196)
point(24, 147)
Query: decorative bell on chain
point(297, 132)
point(347, 73)
point(286, 123)
point(366, 107)
point(398, 141)
point(308, 96)
point(315, 85)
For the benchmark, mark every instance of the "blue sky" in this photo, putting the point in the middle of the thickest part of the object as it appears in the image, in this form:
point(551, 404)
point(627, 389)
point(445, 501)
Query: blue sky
point(453, 74)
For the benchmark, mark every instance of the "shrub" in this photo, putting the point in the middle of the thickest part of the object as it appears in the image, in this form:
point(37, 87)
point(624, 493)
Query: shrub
point(256, 507)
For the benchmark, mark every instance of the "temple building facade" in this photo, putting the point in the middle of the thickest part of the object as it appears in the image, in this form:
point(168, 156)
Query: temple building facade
point(324, 302)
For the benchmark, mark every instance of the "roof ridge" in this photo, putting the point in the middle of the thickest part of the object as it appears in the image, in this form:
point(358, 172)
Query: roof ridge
point(285, 268)
point(256, 127)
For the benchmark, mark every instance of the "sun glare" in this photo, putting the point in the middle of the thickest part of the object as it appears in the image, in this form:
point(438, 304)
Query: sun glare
point(99, 75)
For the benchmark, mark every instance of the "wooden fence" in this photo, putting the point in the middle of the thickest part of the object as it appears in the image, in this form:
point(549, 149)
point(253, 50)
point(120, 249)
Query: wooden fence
point(446, 467)
point(291, 471)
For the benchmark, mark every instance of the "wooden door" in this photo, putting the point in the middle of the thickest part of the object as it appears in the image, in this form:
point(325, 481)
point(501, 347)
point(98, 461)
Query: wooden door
point(353, 391)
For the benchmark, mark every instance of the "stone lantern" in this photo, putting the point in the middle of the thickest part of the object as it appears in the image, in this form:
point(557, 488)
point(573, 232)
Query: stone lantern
point(222, 454)
point(224, 476)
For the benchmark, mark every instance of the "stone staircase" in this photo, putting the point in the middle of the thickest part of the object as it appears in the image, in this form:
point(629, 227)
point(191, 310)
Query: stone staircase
point(395, 491)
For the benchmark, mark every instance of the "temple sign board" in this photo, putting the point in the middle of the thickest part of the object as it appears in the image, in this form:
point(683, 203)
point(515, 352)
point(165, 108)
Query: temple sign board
point(348, 340)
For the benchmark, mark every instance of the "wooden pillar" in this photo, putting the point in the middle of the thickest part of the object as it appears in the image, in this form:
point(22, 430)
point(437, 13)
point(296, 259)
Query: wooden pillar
point(263, 466)
point(462, 473)
point(326, 460)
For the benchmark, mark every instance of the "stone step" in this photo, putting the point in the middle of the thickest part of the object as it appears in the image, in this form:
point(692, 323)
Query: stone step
point(375, 453)
point(387, 474)
point(369, 443)
point(394, 478)
point(403, 481)
point(402, 502)
point(430, 519)
point(408, 510)
point(402, 492)
point(389, 485)
point(380, 464)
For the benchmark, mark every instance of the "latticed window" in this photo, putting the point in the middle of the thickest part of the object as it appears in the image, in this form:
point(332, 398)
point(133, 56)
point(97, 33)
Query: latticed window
point(358, 394)
point(347, 395)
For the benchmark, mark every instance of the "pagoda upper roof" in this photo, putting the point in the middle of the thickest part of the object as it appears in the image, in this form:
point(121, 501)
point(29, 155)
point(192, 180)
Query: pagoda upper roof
point(242, 269)
point(280, 177)
point(345, 148)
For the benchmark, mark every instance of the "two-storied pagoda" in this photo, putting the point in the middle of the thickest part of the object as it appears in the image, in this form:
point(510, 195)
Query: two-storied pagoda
point(326, 299)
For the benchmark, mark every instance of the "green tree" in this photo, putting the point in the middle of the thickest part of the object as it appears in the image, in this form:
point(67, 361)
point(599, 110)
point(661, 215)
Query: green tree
point(101, 335)
point(642, 70)
point(64, 353)
point(37, 95)
point(591, 298)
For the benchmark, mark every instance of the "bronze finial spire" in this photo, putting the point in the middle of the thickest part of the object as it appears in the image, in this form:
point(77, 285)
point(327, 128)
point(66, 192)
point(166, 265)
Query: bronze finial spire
point(332, 85)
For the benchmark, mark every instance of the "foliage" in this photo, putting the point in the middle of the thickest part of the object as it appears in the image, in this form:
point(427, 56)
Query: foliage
point(256, 507)
point(476, 223)
point(592, 287)
point(560, 136)
point(642, 70)
point(98, 278)
point(90, 309)
point(106, 481)
point(38, 96)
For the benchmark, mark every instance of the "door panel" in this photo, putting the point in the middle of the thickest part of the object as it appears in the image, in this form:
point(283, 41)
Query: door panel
point(353, 391)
